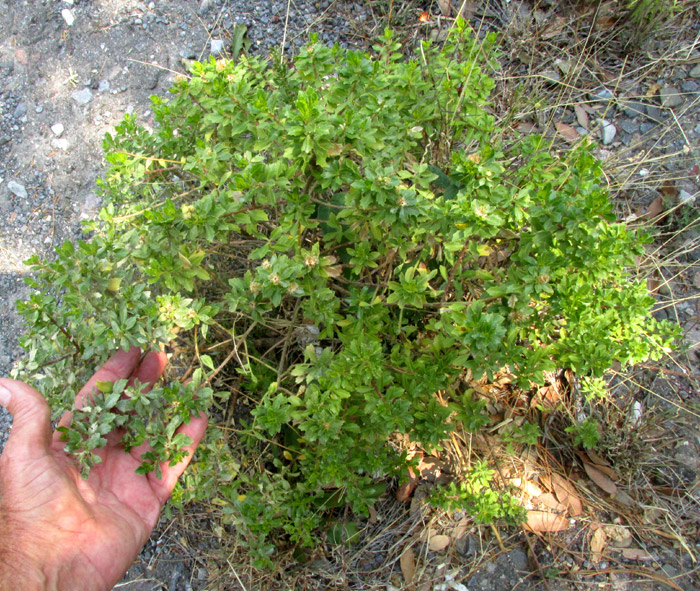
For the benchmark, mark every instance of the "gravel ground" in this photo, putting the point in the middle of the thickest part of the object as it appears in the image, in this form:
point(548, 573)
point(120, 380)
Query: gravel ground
point(70, 69)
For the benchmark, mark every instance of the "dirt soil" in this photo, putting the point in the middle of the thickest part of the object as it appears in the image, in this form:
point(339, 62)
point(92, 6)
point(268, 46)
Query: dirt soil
point(71, 69)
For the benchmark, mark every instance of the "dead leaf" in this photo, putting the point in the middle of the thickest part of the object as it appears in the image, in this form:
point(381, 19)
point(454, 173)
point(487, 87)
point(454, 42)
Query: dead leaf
point(554, 28)
point(403, 493)
point(543, 521)
point(598, 541)
point(548, 500)
point(445, 7)
point(655, 208)
point(653, 285)
point(636, 554)
point(408, 565)
point(566, 493)
point(566, 131)
point(526, 127)
point(531, 489)
point(653, 89)
point(624, 499)
point(581, 116)
point(606, 22)
point(596, 459)
point(696, 279)
point(668, 189)
point(600, 479)
point(438, 542)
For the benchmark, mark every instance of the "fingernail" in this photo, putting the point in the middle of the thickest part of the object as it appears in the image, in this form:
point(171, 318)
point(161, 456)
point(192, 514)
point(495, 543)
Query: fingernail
point(4, 396)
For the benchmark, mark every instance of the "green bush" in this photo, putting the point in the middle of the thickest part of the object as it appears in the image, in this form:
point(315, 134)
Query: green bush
point(331, 246)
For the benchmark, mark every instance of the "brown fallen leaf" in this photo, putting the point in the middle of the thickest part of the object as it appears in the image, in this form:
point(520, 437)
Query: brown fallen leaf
point(636, 554)
point(655, 209)
point(598, 541)
point(549, 500)
point(445, 7)
point(581, 116)
point(403, 493)
point(600, 463)
point(408, 565)
point(567, 132)
point(438, 542)
point(566, 493)
point(543, 521)
point(600, 479)
point(596, 459)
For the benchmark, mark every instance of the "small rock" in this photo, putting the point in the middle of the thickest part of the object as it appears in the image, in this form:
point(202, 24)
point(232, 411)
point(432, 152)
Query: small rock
point(82, 97)
point(20, 111)
point(629, 126)
point(695, 72)
point(216, 47)
point(57, 129)
point(603, 94)
point(204, 7)
point(551, 76)
point(563, 65)
point(581, 130)
point(654, 113)
point(670, 97)
point(633, 108)
point(646, 127)
point(685, 197)
point(187, 53)
point(60, 144)
point(103, 86)
point(39, 109)
point(608, 131)
point(68, 17)
point(69, 2)
point(690, 86)
point(17, 189)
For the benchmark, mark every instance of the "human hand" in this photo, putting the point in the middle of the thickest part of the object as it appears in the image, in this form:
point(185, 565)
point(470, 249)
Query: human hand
point(57, 530)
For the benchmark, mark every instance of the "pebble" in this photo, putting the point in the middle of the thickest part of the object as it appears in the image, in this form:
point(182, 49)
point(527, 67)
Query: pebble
point(685, 197)
point(20, 110)
point(60, 144)
point(633, 108)
point(690, 86)
point(603, 94)
point(216, 47)
point(654, 113)
point(608, 131)
point(103, 86)
point(629, 126)
point(187, 53)
point(17, 189)
point(204, 7)
point(82, 97)
point(68, 17)
point(57, 129)
point(646, 127)
point(695, 72)
point(670, 97)
point(39, 108)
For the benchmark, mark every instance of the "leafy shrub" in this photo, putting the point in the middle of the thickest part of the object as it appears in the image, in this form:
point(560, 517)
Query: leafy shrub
point(331, 249)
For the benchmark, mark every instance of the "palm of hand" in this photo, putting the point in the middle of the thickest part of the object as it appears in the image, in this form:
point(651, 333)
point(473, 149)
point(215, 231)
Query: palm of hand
point(92, 529)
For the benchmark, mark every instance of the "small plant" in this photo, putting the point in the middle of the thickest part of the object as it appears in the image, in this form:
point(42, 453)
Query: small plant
point(647, 15)
point(330, 248)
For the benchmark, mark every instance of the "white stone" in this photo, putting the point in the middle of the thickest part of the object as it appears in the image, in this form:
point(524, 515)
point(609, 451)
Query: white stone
point(57, 129)
point(17, 189)
point(82, 97)
point(68, 17)
point(104, 86)
point(216, 46)
point(685, 197)
point(695, 72)
point(60, 144)
point(608, 131)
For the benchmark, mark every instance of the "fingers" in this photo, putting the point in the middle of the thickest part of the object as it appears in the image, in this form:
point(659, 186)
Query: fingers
point(121, 365)
point(31, 428)
point(164, 487)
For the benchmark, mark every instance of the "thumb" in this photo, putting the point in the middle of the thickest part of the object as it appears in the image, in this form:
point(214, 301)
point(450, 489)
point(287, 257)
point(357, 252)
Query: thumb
point(31, 429)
